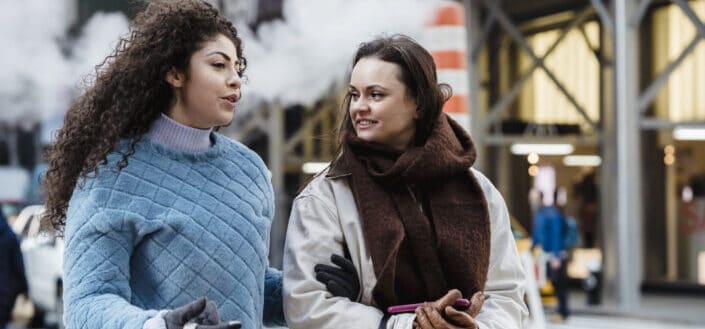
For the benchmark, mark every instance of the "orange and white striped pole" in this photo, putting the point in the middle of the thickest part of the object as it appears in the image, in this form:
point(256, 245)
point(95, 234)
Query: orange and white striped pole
point(445, 38)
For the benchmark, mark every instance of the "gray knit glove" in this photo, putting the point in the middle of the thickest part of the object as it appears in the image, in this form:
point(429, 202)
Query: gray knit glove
point(203, 313)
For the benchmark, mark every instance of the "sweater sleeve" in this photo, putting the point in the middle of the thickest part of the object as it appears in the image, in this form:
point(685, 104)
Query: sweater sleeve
point(273, 310)
point(99, 245)
point(506, 278)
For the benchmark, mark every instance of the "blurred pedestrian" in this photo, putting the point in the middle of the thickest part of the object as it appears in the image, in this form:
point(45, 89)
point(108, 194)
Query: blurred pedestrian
point(401, 197)
point(588, 193)
point(549, 233)
point(12, 277)
point(157, 208)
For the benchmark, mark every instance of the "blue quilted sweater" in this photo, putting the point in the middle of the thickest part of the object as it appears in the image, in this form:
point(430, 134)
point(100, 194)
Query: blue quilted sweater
point(168, 228)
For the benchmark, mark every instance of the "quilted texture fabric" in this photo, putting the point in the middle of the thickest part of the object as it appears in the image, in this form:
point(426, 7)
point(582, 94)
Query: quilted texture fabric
point(167, 229)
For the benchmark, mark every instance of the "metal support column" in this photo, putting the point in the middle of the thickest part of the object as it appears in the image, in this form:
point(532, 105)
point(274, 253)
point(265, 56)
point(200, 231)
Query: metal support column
point(276, 166)
point(475, 40)
point(623, 230)
point(608, 170)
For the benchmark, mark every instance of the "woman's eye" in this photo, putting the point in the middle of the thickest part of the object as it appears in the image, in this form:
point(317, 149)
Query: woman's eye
point(353, 94)
point(377, 95)
point(219, 65)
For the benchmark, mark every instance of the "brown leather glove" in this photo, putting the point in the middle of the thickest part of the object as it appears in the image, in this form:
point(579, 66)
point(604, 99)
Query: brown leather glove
point(442, 315)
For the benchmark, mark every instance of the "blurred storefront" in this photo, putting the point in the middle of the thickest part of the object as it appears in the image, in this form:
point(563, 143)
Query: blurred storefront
point(676, 151)
point(557, 90)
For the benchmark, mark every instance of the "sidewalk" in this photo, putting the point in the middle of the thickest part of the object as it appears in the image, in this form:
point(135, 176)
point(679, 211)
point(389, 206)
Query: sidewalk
point(610, 322)
point(674, 309)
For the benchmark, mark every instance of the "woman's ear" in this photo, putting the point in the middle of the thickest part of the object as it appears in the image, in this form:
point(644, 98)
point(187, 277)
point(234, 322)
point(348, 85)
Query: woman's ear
point(175, 78)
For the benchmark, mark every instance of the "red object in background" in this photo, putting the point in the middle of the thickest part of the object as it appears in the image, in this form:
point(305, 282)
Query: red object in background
point(694, 216)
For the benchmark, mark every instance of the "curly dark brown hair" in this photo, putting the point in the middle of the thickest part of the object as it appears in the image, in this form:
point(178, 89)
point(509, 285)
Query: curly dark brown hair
point(129, 93)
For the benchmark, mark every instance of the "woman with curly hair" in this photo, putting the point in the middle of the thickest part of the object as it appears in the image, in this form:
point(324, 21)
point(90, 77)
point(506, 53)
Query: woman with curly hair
point(158, 210)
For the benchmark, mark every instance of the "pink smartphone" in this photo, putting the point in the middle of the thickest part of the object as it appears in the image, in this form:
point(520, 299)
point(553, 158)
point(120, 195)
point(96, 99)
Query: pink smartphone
point(461, 304)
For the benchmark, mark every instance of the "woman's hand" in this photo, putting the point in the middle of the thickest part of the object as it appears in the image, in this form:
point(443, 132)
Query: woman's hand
point(442, 315)
point(341, 280)
point(204, 313)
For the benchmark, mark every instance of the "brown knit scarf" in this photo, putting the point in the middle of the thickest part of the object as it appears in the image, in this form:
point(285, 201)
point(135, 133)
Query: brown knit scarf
point(420, 255)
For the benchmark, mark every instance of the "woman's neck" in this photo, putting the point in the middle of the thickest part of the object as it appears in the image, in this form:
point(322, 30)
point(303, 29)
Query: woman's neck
point(172, 134)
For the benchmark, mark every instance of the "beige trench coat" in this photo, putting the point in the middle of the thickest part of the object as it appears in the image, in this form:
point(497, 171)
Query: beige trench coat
point(324, 218)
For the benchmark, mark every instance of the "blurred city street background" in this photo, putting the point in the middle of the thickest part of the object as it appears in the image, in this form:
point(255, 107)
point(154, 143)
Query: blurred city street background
point(599, 105)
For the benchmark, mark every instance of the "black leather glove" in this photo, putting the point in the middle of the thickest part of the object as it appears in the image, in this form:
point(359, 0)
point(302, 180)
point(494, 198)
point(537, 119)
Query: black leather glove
point(202, 312)
point(341, 280)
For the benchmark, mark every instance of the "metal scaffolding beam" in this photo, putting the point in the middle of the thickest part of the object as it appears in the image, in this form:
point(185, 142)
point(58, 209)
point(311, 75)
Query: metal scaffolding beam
point(604, 15)
point(658, 124)
point(595, 51)
point(305, 131)
point(514, 33)
point(477, 41)
point(649, 94)
point(503, 103)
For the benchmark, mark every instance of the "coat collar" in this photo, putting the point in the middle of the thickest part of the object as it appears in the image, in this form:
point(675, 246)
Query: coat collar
point(338, 168)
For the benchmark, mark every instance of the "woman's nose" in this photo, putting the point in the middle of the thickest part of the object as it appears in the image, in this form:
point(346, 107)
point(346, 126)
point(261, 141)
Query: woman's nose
point(234, 80)
point(358, 105)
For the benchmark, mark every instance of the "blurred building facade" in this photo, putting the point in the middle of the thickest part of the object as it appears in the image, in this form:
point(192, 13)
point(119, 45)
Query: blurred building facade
point(619, 83)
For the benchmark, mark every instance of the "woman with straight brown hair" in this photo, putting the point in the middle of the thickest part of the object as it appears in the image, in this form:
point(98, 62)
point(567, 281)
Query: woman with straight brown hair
point(419, 225)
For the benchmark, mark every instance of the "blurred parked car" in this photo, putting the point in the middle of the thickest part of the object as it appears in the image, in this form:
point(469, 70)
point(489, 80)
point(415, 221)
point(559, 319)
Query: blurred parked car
point(43, 254)
point(16, 182)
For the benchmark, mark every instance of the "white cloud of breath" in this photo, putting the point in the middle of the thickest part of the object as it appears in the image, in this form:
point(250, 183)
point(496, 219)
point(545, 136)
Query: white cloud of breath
point(32, 62)
point(294, 61)
point(299, 59)
point(37, 78)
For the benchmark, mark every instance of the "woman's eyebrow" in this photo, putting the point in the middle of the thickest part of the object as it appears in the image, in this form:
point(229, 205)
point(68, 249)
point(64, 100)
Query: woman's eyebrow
point(370, 87)
point(375, 86)
point(219, 53)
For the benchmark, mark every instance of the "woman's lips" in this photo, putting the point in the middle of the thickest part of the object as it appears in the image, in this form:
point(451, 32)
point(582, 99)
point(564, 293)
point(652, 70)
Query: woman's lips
point(230, 100)
point(364, 123)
